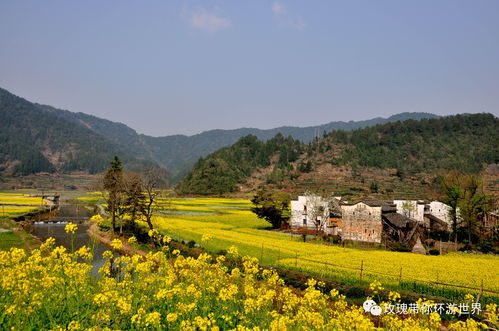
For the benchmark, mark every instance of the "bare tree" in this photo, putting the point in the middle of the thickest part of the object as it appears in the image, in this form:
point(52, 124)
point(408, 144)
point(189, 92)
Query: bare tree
point(153, 181)
point(318, 209)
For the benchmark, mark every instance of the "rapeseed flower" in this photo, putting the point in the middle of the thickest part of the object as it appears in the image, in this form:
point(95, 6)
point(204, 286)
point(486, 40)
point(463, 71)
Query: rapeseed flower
point(71, 228)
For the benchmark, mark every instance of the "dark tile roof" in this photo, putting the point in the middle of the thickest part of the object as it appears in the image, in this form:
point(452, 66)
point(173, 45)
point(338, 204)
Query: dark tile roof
point(373, 203)
point(435, 218)
point(386, 208)
point(399, 220)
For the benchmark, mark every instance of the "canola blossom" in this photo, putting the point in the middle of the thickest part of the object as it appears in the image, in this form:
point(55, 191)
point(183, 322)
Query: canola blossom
point(71, 228)
point(21, 200)
point(15, 210)
point(116, 244)
point(51, 288)
point(18, 204)
point(231, 223)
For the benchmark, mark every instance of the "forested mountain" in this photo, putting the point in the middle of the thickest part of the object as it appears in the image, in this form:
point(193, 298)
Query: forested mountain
point(33, 140)
point(178, 153)
point(221, 171)
point(463, 142)
point(37, 138)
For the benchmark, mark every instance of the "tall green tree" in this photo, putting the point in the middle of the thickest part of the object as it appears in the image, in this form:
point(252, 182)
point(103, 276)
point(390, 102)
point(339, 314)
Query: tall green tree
point(272, 206)
point(113, 186)
point(134, 197)
point(452, 198)
point(474, 205)
point(467, 201)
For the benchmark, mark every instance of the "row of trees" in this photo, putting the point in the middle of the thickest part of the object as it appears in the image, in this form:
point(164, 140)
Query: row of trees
point(468, 203)
point(131, 196)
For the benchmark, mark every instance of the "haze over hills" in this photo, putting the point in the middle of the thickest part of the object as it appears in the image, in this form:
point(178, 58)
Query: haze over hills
point(38, 138)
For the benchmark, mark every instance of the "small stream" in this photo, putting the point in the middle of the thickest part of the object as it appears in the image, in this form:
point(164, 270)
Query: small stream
point(55, 229)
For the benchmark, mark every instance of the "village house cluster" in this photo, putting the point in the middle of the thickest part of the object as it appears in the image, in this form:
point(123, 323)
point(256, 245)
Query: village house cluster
point(403, 222)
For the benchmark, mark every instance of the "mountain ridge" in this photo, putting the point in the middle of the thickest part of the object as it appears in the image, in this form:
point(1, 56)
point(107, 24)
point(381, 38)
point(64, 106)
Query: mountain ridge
point(178, 153)
point(389, 152)
point(33, 140)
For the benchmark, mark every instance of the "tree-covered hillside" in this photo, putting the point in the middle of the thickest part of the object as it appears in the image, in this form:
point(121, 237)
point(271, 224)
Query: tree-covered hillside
point(222, 171)
point(460, 142)
point(178, 153)
point(428, 146)
point(33, 140)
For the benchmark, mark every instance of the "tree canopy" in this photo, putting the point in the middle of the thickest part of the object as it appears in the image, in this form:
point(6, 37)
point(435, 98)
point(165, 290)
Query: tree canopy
point(272, 206)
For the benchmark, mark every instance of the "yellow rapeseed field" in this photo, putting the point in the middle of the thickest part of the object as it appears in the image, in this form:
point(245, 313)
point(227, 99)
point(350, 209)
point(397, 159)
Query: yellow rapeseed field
point(229, 226)
point(16, 210)
point(51, 288)
point(21, 200)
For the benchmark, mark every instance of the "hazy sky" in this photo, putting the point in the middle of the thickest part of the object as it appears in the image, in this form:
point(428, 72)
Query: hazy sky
point(166, 67)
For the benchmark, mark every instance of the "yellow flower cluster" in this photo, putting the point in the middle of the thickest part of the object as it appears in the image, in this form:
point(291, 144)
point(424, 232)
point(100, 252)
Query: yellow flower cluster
point(376, 287)
point(116, 244)
point(21, 200)
point(97, 219)
point(206, 237)
point(52, 288)
point(71, 228)
point(230, 222)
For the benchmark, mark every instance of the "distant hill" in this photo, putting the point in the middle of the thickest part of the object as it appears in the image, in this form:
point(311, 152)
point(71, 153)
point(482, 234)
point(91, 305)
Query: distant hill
point(179, 152)
point(416, 149)
point(223, 170)
point(176, 153)
point(33, 139)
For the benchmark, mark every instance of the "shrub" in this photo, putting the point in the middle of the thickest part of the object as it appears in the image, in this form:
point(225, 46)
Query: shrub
point(400, 249)
point(434, 252)
point(356, 292)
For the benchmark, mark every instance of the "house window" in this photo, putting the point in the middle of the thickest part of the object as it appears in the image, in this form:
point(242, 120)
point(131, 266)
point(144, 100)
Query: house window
point(304, 221)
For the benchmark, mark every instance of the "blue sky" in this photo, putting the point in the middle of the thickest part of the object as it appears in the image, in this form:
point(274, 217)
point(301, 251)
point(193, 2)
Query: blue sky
point(169, 67)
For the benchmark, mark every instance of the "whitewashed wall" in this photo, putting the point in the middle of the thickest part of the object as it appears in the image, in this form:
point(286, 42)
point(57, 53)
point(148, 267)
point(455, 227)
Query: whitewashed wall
point(418, 209)
point(441, 210)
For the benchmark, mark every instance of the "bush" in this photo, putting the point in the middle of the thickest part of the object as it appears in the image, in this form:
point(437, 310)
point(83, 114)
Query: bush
point(356, 292)
point(434, 252)
point(400, 249)
point(486, 246)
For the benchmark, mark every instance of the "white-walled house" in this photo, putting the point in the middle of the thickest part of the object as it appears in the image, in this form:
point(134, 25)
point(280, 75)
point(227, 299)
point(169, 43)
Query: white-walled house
point(432, 214)
point(307, 211)
point(417, 209)
point(441, 211)
point(372, 221)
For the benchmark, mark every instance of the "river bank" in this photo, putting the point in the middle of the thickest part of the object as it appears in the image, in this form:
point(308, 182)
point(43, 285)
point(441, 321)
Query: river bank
point(106, 238)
